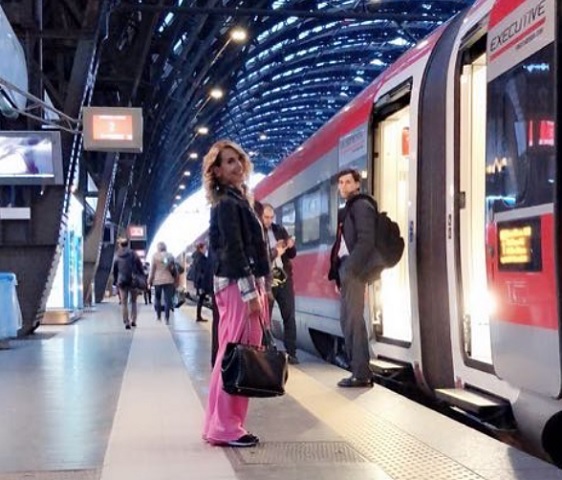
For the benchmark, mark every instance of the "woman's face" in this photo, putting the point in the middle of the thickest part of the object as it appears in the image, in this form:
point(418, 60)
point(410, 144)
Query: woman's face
point(230, 171)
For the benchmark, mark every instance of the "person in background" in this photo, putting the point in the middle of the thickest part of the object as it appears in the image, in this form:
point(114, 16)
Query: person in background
point(124, 264)
point(240, 265)
point(349, 257)
point(214, 331)
point(148, 291)
point(203, 278)
point(281, 251)
point(258, 210)
point(163, 279)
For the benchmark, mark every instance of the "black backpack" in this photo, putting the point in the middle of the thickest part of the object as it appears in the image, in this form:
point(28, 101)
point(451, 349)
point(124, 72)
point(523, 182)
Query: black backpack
point(388, 242)
point(170, 263)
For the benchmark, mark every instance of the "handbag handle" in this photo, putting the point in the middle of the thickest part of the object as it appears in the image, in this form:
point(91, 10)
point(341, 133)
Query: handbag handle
point(267, 336)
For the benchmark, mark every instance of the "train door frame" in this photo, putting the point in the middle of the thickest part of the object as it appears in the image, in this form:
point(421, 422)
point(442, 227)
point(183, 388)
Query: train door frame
point(404, 92)
point(472, 47)
point(384, 109)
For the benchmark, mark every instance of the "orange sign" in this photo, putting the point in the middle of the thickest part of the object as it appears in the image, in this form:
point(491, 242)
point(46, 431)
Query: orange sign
point(137, 232)
point(405, 141)
point(112, 127)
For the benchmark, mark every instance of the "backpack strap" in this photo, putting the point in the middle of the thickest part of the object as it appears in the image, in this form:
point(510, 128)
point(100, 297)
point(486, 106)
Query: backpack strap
point(356, 197)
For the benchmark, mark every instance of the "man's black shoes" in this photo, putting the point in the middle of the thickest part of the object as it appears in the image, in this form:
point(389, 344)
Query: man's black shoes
point(293, 360)
point(353, 382)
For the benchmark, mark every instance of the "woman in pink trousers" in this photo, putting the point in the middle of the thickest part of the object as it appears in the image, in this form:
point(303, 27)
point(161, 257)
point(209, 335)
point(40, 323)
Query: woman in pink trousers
point(240, 266)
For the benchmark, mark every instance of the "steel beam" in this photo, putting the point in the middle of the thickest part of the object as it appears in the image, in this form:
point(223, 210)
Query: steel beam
point(283, 13)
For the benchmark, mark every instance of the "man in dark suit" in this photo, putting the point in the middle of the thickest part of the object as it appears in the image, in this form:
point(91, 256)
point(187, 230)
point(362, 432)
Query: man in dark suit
point(282, 249)
point(351, 260)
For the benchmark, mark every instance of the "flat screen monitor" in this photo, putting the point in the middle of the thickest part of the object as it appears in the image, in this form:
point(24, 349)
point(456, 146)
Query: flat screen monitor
point(112, 129)
point(136, 232)
point(30, 158)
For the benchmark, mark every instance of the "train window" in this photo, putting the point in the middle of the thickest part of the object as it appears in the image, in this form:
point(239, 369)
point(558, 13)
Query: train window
point(335, 203)
point(288, 217)
point(520, 162)
point(311, 210)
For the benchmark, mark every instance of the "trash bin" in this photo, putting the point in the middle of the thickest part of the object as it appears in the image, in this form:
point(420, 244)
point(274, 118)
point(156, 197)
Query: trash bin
point(10, 316)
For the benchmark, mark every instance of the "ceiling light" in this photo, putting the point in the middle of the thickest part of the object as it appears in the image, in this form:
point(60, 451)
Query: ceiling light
point(202, 130)
point(216, 93)
point(238, 34)
point(263, 136)
point(187, 173)
point(193, 155)
point(178, 197)
point(182, 187)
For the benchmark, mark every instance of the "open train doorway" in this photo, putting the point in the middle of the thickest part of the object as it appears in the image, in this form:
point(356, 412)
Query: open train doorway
point(476, 305)
point(389, 298)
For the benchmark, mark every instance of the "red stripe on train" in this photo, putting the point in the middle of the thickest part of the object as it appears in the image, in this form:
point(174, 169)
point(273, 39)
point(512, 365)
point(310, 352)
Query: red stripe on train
point(501, 9)
point(310, 275)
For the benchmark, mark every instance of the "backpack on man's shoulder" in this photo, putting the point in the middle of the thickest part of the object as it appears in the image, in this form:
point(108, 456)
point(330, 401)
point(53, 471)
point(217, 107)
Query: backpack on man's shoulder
point(388, 242)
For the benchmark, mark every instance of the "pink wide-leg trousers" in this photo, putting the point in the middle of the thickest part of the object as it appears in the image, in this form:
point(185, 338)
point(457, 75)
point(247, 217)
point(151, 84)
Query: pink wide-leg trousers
point(225, 414)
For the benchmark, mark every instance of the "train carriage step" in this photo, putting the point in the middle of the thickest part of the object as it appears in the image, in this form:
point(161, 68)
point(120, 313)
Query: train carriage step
point(386, 368)
point(474, 402)
point(492, 412)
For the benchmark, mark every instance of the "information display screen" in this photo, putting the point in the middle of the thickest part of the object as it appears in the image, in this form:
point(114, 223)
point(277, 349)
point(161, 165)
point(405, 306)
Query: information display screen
point(112, 129)
point(519, 244)
point(30, 158)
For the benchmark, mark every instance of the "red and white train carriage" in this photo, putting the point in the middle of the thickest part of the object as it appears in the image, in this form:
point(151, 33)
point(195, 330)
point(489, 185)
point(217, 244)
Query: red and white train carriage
point(457, 141)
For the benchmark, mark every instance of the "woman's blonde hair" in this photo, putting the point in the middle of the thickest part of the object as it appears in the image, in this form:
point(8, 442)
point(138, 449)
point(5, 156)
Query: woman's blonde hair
point(210, 182)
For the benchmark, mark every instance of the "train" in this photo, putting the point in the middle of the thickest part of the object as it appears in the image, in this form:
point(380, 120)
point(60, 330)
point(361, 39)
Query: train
point(457, 141)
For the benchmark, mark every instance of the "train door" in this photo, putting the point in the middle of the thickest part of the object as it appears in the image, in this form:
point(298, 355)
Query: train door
point(389, 298)
point(475, 303)
point(521, 180)
point(471, 302)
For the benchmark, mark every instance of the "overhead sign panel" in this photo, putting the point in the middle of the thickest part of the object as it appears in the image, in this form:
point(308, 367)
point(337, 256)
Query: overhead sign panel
point(137, 232)
point(112, 129)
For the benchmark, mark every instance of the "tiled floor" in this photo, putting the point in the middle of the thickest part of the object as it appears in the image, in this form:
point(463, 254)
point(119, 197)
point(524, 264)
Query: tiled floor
point(94, 401)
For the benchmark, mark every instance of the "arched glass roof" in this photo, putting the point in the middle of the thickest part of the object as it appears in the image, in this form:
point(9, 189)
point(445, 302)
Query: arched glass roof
point(303, 61)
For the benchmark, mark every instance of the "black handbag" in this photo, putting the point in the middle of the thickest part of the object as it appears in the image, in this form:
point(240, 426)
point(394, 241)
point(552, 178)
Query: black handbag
point(138, 281)
point(254, 371)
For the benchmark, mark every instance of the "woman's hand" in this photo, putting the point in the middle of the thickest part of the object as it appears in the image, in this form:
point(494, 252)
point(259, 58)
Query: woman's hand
point(254, 305)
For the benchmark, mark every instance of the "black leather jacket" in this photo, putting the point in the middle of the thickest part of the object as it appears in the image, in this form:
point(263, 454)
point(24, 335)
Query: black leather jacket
point(236, 238)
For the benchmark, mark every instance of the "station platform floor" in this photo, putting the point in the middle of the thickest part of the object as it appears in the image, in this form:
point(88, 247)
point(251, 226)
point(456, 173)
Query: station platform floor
point(93, 401)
